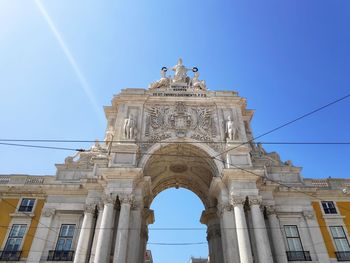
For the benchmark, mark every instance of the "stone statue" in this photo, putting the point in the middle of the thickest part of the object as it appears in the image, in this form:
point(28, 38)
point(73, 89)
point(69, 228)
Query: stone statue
point(109, 139)
point(96, 147)
point(180, 72)
point(261, 150)
point(129, 128)
point(196, 83)
point(230, 129)
point(163, 82)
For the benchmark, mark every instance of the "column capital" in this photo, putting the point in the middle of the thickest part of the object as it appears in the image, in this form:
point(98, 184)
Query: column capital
point(270, 210)
point(237, 200)
point(255, 200)
point(224, 207)
point(90, 208)
point(108, 199)
point(47, 212)
point(126, 199)
point(208, 215)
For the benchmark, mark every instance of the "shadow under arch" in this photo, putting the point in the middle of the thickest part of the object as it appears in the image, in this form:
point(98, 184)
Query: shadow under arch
point(188, 164)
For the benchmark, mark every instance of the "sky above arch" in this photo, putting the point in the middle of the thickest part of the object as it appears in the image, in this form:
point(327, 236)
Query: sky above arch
point(62, 60)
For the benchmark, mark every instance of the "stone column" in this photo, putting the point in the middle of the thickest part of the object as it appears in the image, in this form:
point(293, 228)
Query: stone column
point(245, 251)
point(210, 218)
point(97, 231)
point(260, 233)
point(103, 247)
point(316, 236)
point(279, 248)
point(121, 242)
point(147, 218)
point(229, 235)
point(134, 233)
point(41, 235)
point(81, 252)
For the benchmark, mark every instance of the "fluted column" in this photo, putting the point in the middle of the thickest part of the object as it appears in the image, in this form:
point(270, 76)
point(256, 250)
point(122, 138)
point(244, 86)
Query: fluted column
point(229, 238)
point(121, 242)
point(245, 251)
point(41, 234)
point(81, 252)
point(279, 248)
point(260, 233)
point(106, 229)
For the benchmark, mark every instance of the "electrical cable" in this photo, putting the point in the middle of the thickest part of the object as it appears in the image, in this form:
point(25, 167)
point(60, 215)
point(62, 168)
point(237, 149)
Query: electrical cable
point(289, 122)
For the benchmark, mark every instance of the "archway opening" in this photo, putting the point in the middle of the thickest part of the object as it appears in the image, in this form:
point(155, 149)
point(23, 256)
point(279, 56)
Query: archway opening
point(190, 168)
point(177, 234)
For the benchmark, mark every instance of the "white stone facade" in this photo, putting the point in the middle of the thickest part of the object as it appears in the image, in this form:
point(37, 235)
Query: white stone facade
point(177, 134)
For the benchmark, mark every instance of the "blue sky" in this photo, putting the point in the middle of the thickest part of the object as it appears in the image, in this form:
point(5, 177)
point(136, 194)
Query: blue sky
point(286, 57)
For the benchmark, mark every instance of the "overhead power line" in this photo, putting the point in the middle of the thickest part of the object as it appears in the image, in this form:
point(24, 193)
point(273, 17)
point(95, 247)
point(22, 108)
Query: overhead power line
point(289, 122)
point(10, 142)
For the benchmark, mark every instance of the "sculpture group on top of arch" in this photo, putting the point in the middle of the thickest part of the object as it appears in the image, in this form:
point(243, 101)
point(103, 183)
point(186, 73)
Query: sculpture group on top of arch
point(180, 78)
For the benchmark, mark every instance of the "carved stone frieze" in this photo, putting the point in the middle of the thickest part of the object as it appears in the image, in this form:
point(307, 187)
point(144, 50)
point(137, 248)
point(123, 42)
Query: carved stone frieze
point(180, 120)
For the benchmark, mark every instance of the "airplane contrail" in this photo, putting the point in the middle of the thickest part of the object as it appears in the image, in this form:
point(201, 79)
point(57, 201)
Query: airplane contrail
point(84, 84)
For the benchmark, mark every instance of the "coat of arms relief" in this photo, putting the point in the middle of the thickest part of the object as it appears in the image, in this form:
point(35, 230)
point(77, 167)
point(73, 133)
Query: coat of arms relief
point(178, 121)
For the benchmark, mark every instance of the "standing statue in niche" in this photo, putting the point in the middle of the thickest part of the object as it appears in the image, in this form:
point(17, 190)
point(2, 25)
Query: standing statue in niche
point(230, 129)
point(129, 128)
point(109, 139)
point(180, 72)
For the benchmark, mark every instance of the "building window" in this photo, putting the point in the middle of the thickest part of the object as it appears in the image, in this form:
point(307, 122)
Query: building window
point(296, 251)
point(27, 205)
point(329, 207)
point(63, 250)
point(341, 243)
point(13, 244)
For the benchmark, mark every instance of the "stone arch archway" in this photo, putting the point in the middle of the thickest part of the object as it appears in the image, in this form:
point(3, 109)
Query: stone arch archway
point(188, 165)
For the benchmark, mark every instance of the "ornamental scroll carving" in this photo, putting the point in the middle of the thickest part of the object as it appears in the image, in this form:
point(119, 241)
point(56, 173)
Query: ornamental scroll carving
point(180, 120)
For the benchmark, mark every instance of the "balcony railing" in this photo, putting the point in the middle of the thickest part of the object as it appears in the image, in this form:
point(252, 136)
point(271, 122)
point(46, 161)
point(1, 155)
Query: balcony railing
point(298, 256)
point(25, 208)
point(60, 255)
point(10, 255)
point(343, 255)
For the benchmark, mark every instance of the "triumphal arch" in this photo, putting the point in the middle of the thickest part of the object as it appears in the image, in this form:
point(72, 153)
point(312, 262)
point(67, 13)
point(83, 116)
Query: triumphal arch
point(177, 133)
